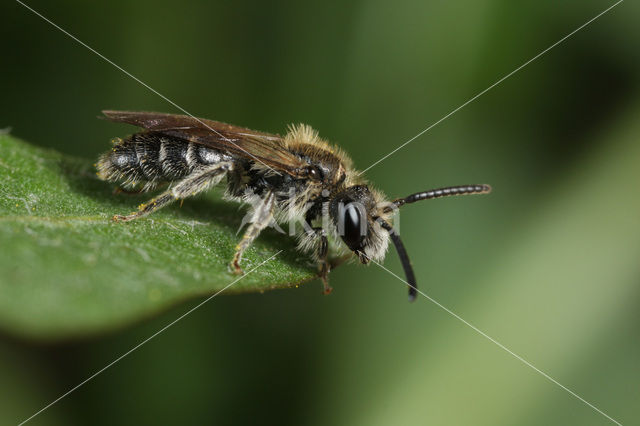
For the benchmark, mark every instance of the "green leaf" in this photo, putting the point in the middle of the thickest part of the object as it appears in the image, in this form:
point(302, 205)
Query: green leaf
point(66, 269)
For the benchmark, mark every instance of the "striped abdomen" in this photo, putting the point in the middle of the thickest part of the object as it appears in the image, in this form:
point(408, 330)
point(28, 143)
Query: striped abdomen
point(151, 159)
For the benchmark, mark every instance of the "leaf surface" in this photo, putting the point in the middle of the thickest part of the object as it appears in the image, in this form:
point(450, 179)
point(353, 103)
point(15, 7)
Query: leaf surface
point(66, 269)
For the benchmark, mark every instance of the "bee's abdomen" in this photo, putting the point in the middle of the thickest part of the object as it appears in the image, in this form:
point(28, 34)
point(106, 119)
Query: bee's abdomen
point(152, 159)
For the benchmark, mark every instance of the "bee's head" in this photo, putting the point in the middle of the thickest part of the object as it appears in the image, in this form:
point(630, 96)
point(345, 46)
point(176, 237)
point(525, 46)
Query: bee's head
point(362, 220)
point(349, 210)
point(356, 212)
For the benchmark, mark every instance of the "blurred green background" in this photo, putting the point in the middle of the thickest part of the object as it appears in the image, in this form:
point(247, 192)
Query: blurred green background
point(547, 264)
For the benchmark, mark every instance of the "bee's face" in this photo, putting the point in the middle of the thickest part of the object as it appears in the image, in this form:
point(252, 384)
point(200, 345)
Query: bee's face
point(355, 212)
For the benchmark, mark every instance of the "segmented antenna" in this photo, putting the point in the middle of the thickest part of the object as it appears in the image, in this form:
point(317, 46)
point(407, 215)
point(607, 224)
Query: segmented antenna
point(443, 192)
point(404, 259)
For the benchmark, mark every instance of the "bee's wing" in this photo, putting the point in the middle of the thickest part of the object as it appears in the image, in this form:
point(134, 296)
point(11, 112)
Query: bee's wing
point(265, 148)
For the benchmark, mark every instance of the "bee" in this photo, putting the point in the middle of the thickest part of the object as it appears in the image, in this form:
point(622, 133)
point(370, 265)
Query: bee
point(298, 177)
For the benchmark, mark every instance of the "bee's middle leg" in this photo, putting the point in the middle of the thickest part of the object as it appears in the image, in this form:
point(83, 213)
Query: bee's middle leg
point(262, 217)
point(197, 182)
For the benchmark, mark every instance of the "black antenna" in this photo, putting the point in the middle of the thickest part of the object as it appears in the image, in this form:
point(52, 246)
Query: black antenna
point(443, 192)
point(404, 259)
point(425, 195)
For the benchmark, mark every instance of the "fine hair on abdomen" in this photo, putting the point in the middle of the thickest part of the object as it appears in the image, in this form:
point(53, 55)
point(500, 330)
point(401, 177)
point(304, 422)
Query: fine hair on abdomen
point(150, 159)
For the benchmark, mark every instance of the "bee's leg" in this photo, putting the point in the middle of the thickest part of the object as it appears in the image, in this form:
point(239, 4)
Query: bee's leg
point(321, 252)
point(262, 217)
point(196, 182)
point(317, 238)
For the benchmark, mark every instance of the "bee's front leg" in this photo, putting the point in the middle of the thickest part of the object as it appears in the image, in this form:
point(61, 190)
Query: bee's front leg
point(321, 252)
point(323, 249)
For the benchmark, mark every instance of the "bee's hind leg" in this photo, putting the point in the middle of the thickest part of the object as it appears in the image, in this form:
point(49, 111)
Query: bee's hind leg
point(196, 182)
point(148, 207)
point(262, 217)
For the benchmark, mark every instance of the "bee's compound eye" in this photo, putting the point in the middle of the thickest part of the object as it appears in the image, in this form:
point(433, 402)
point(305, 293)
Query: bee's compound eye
point(354, 226)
